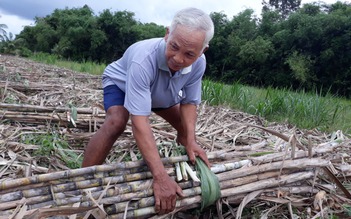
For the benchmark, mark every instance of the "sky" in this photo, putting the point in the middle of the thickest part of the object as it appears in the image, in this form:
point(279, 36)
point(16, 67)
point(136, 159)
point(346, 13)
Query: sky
point(17, 14)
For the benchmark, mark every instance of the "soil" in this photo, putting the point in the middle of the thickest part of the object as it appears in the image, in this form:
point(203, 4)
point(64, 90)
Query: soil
point(48, 114)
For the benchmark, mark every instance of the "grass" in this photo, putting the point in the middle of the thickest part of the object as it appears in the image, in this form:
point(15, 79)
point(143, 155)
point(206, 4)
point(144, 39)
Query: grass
point(52, 144)
point(302, 109)
point(87, 66)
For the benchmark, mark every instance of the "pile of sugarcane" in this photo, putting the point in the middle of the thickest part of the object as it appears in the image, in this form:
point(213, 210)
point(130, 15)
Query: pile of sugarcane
point(89, 118)
point(124, 190)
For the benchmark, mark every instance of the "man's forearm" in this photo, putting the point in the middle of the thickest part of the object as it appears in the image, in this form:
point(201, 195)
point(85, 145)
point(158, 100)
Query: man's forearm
point(188, 117)
point(147, 145)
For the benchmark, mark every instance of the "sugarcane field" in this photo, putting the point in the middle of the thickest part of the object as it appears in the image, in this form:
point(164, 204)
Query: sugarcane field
point(259, 169)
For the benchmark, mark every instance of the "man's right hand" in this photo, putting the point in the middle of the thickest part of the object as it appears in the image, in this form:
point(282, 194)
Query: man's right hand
point(165, 192)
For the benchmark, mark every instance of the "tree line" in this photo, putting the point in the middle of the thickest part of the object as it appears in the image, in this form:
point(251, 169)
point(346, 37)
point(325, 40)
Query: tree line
point(288, 46)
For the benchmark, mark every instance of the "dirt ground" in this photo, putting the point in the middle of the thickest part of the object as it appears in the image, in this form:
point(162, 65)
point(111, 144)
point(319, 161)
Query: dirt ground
point(48, 115)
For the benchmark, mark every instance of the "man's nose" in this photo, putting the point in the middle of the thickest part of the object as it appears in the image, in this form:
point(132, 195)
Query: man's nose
point(178, 58)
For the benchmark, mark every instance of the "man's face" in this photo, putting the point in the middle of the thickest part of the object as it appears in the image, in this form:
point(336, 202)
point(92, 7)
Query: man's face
point(183, 47)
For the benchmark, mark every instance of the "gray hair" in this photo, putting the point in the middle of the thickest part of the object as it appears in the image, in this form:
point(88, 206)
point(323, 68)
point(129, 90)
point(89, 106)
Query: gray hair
point(195, 19)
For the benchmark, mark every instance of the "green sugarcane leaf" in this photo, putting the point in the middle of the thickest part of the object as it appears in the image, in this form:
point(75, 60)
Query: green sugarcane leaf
point(210, 190)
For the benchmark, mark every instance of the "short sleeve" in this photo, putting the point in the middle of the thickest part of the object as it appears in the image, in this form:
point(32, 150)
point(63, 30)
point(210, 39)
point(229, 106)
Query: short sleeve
point(138, 94)
point(193, 88)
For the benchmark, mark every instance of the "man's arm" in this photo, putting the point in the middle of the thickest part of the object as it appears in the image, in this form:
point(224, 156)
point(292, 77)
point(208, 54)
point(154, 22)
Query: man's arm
point(188, 116)
point(147, 145)
point(165, 188)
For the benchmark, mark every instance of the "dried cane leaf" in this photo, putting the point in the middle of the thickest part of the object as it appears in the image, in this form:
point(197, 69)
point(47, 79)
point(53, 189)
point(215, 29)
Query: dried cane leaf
point(246, 200)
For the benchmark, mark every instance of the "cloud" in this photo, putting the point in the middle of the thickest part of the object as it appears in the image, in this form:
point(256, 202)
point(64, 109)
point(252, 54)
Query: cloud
point(146, 11)
point(14, 23)
point(27, 9)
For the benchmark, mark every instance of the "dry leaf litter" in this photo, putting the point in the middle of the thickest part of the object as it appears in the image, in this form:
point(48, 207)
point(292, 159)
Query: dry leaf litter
point(265, 169)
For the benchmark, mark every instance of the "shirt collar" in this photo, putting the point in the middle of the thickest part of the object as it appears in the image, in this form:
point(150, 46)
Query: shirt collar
point(162, 62)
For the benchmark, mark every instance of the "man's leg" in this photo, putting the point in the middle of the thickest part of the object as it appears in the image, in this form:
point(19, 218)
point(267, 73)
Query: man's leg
point(172, 116)
point(115, 122)
point(101, 143)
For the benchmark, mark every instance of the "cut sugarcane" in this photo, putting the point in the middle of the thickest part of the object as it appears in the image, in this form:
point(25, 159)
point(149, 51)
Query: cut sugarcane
point(191, 172)
point(183, 170)
point(178, 172)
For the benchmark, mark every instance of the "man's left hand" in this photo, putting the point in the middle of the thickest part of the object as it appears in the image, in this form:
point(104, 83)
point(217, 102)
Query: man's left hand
point(194, 150)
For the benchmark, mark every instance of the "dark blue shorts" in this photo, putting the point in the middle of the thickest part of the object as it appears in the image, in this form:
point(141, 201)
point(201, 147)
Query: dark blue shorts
point(113, 96)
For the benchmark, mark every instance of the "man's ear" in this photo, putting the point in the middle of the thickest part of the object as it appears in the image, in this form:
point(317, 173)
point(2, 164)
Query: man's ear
point(167, 34)
point(205, 49)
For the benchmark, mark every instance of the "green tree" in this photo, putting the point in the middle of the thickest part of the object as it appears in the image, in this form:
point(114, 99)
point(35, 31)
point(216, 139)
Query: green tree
point(284, 7)
point(269, 23)
point(225, 46)
point(333, 62)
point(45, 36)
point(75, 28)
point(242, 29)
point(120, 32)
point(216, 55)
point(79, 35)
point(68, 33)
point(149, 30)
point(300, 66)
point(253, 55)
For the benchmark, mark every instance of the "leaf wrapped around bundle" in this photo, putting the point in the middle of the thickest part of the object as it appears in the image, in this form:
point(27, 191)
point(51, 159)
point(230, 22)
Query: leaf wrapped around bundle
point(210, 190)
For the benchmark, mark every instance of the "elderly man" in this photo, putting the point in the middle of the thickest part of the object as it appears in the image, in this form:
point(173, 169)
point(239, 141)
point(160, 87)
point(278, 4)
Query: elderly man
point(161, 75)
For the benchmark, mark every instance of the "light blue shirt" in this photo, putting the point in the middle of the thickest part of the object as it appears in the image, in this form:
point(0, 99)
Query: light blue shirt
point(142, 73)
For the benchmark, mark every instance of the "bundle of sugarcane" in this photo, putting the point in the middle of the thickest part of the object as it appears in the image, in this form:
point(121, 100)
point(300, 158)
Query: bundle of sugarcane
point(124, 189)
point(34, 108)
point(31, 86)
point(83, 118)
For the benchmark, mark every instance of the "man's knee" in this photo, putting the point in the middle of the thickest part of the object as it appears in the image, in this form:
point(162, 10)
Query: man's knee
point(116, 119)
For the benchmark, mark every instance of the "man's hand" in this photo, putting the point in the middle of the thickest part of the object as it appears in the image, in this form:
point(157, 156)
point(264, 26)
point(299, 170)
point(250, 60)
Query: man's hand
point(186, 134)
point(165, 188)
point(165, 192)
point(194, 150)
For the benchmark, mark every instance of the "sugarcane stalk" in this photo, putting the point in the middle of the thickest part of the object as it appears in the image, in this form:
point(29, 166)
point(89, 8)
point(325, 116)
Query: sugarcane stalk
point(142, 185)
point(178, 172)
point(145, 200)
point(278, 156)
point(191, 172)
point(117, 195)
point(85, 184)
point(122, 193)
point(128, 185)
point(42, 119)
point(124, 197)
point(227, 175)
point(228, 183)
point(35, 108)
point(293, 189)
point(86, 201)
point(183, 170)
point(266, 183)
point(175, 152)
point(15, 183)
point(287, 164)
point(217, 168)
point(142, 208)
point(33, 86)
